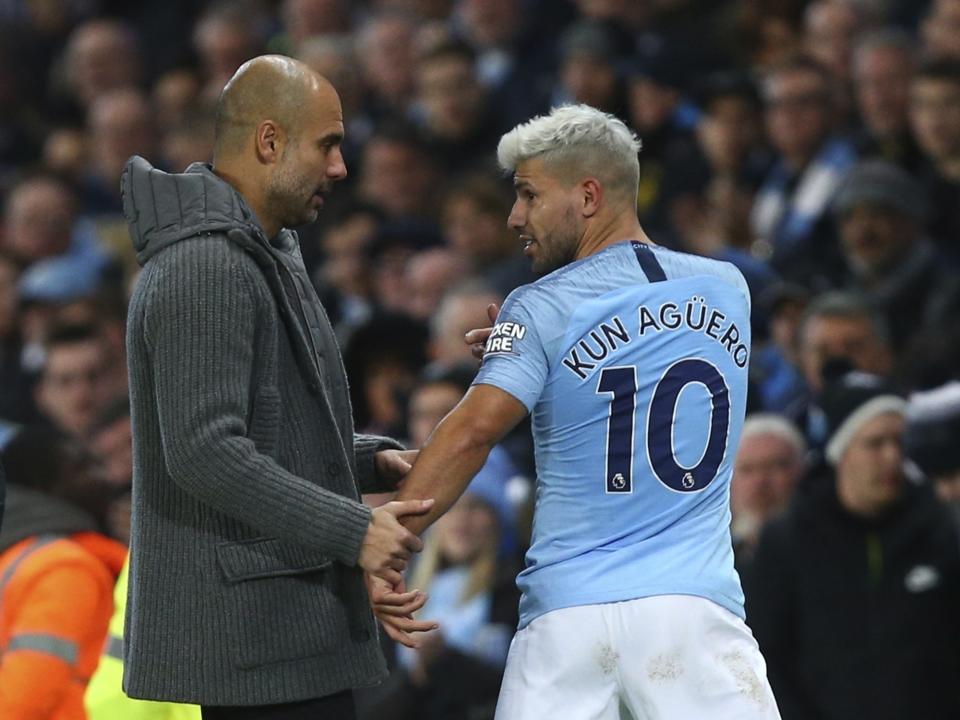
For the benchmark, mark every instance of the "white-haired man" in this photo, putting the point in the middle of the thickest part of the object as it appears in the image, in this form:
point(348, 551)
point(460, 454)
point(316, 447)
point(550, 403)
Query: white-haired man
point(769, 463)
point(632, 361)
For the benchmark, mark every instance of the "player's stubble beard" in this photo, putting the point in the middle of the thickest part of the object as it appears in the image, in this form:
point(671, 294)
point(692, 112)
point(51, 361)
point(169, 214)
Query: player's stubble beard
point(558, 247)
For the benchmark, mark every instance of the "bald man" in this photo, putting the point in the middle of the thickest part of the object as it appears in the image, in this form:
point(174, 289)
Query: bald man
point(249, 540)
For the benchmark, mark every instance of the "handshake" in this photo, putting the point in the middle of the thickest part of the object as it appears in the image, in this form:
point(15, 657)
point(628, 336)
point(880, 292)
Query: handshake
point(387, 547)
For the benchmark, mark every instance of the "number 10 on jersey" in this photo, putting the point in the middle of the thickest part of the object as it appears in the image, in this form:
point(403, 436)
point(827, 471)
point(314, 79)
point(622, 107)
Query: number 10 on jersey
point(621, 383)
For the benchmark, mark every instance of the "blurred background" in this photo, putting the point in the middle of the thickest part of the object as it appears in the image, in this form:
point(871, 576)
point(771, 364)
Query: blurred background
point(816, 145)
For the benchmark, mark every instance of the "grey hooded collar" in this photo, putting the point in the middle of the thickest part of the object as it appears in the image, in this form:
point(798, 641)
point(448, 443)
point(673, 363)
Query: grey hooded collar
point(164, 208)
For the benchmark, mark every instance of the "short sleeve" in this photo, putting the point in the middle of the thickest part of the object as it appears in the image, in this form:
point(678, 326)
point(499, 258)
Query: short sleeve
point(515, 359)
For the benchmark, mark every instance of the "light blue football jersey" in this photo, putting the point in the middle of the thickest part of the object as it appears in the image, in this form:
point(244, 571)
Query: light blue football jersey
point(633, 364)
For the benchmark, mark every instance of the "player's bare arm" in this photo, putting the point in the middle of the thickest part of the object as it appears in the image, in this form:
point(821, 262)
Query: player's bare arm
point(457, 449)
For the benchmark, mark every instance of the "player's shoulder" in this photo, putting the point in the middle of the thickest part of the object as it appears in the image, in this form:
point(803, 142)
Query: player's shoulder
point(679, 265)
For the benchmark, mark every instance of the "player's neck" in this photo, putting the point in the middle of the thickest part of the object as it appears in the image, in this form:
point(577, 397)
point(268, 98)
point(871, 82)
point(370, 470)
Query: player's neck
point(605, 231)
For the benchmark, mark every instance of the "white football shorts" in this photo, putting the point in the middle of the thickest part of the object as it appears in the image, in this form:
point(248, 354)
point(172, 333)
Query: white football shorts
point(667, 657)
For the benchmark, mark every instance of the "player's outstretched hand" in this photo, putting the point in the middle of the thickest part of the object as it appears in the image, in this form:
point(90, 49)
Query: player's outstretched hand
point(477, 338)
point(388, 545)
point(394, 608)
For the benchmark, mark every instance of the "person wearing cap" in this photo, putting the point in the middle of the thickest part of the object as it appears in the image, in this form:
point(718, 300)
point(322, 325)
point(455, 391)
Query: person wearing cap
point(853, 592)
point(880, 212)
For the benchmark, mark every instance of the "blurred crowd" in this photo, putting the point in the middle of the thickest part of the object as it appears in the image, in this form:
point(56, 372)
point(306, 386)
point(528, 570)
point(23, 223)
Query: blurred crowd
point(816, 145)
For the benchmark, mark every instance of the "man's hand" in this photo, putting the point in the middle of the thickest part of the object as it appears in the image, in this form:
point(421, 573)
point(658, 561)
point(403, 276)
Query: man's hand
point(388, 545)
point(394, 608)
point(393, 465)
point(477, 338)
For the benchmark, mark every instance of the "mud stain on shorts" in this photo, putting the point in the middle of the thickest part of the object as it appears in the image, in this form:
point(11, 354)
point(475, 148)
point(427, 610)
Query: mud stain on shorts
point(664, 667)
point(748, 683)
point(607, 658)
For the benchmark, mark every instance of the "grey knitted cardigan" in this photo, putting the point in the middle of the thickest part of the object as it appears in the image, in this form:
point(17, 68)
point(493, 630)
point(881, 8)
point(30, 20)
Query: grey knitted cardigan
point(247, 524)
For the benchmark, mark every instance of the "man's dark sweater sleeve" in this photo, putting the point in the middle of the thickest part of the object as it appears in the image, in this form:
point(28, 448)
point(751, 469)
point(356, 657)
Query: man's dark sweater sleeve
point(200, 322)
point(364, 448)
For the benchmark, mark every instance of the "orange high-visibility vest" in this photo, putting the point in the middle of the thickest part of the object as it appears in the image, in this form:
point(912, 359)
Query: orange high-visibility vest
point(56, 598)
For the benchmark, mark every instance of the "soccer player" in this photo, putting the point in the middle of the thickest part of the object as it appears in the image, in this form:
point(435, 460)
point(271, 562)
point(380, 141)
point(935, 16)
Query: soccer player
point(632, 360)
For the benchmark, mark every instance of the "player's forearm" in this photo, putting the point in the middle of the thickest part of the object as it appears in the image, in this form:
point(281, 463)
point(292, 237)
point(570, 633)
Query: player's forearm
point(446, 464)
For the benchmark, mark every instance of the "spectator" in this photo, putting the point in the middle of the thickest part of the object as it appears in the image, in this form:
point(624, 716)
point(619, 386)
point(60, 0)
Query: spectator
point(40, 221)
point(120, 124)
point(71, 390)
point(383, 358)
point(305, 19)
point(711, 185)
point(791, 210)
point(189, 141)
point(588, 68)
point(389, 253)
point(15, 402)
point(775, 376)
point(50, 291)
point(513, 54)
point(658, 111)
point(770, 460)
point(335, 57)
point(430, 274)
point(58, 572)
point(462, 308)
point(385, 50)
point(768, 34)
point(882, 69)
point(880, 211)
point(101, 57)
point(460, 124)
point(175, 98)
point(840, 325)
point(342, 276)
point(935, 118)
point(829, 28)
point(472, 219)
point(438, 391)
point(853, 592)
point(65, 153)
point(398, 174)
point(110, 442)
point(225, 37)
point(940, 30)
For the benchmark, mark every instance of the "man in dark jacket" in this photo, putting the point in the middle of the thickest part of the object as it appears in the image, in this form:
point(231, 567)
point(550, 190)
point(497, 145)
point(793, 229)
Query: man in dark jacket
point(853, 593)
point(249, 540)
point(880, 211)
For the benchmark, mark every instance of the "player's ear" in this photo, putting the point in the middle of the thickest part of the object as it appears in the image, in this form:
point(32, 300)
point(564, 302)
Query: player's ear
point(591, 192)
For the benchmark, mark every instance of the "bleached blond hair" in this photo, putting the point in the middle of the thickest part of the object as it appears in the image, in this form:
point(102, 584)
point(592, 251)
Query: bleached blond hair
point(576, 141)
